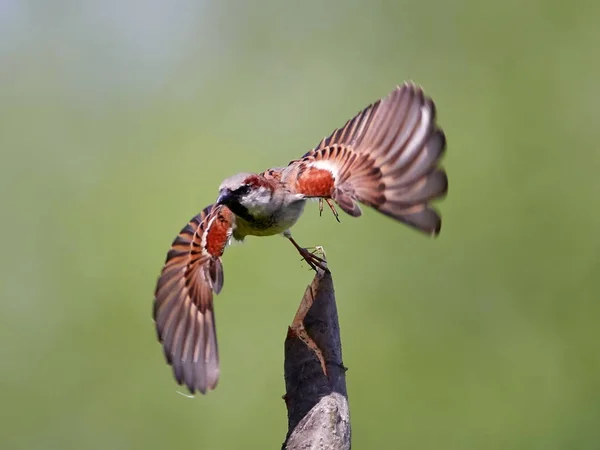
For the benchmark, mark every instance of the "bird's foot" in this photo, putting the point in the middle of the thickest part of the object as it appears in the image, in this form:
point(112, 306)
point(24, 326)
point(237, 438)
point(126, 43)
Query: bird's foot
point(310, 256)
point(317, 250)
point(315, 262)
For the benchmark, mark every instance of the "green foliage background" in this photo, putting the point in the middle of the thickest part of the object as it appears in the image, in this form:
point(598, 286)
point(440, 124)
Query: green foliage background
point(118, 120)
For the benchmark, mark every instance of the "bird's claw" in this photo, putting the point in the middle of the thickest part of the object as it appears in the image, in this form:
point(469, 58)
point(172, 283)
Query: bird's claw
point(317, 249)
point(331, 206)
point(314, 261)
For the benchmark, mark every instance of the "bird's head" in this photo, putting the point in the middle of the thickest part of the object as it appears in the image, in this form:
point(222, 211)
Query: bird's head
point(246, 194)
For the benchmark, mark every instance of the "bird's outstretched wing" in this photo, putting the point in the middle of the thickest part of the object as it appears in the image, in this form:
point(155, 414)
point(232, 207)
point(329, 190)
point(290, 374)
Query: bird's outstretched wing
point(183, 300)
point(386, 157)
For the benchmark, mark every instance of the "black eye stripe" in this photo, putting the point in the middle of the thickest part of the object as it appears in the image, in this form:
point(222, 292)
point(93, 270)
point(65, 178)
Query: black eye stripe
point(242, 190)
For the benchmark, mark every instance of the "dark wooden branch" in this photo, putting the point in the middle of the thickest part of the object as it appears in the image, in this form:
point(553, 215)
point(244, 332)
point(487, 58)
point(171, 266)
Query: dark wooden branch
point(316, 398)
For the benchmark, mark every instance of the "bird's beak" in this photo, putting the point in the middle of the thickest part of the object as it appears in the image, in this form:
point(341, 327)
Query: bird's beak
point(224, 197)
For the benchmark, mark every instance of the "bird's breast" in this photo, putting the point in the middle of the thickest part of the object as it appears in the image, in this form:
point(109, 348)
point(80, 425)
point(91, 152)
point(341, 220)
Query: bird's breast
point(277, 222)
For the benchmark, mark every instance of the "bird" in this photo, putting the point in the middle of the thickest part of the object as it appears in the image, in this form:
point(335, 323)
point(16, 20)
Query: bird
point(387, 157)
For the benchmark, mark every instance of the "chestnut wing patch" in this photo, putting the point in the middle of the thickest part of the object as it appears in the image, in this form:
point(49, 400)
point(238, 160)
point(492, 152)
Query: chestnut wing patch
point(315, 182)
point(218, 231)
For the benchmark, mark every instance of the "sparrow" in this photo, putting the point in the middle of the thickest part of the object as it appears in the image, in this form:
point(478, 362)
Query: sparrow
point(386, 157)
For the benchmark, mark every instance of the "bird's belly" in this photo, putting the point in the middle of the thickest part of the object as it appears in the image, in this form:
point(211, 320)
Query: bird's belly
point(277, 223)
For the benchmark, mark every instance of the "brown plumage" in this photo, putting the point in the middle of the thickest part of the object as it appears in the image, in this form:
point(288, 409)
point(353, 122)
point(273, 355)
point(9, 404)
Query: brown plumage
point(387, 157)
point(183, 301)
point(314, 182)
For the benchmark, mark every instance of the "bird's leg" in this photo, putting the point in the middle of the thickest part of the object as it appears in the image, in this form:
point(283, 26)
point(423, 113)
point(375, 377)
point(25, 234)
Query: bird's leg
point(331, 206)
point(333, 210)
point(311, 259)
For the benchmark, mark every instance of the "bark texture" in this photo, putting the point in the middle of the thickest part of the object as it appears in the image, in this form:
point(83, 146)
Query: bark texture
point(315, 380)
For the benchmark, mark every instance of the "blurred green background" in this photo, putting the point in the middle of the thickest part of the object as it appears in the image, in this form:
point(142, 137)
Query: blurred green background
point(118, 120)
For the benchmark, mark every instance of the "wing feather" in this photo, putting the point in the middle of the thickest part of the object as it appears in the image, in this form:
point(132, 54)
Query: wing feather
point(386, 157)
point(183, 300)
